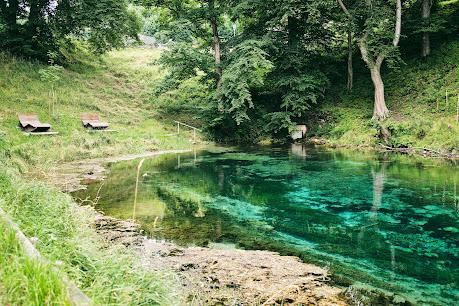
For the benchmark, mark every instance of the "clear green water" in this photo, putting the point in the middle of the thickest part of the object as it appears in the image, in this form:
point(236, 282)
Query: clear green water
point(380, 220)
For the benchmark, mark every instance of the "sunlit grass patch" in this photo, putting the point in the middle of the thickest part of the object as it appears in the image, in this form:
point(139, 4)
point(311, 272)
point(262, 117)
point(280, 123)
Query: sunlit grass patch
point(118, 86)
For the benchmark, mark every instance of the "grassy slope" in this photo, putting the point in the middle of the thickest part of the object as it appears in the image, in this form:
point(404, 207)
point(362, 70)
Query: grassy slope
point(412, 94)
point(119, 88)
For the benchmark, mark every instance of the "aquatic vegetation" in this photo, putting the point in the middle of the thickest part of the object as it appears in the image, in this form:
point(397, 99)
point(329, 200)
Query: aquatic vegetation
point(362, 215)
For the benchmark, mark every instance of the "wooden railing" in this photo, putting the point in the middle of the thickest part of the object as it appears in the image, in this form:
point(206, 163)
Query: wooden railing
point(188, 126)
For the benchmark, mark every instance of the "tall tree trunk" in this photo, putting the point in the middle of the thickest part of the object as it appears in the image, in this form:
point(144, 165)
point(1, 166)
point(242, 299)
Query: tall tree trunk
point(380, 111)
point(350, 68)
point(34, 17)
point(217, 50)
point(426, 8)
point(216, 43)
point(11, 15)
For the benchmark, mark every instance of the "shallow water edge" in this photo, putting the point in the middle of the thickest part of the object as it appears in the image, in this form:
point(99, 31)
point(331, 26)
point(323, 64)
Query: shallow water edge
point(242, 196)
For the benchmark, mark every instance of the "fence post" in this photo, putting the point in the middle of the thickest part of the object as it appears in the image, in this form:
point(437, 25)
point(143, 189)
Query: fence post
point(178, 128)
point(447, 101)
point(457, 109)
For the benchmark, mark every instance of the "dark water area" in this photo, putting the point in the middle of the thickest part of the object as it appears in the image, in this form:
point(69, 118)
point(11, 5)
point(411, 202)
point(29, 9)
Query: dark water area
point(376, 220)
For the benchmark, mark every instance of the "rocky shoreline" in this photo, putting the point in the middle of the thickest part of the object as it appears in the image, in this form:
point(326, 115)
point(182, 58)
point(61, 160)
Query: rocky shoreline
point(424, 152)
point(227, 276)
point(73, 176)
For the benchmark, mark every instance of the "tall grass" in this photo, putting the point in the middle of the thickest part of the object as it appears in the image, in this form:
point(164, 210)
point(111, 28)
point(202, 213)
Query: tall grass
point(108, 273)
point(118, 86)
point(24, 281)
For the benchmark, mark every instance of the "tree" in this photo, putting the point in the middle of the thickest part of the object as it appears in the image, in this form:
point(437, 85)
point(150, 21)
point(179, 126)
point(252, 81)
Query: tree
point(247, 71)
point(213, 15)
point(39, 28)
point(350, 49)
point(296, 35)
point(426, 9)
point(266, 70)
point(378, 42)
point(202, 19)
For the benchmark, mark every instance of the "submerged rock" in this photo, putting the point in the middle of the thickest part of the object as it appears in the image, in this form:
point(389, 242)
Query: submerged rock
point(241, 277)
point(227, 276)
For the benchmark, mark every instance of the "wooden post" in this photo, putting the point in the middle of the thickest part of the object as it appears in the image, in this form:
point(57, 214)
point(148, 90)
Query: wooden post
point(137, 187)
point(457, 109)
point(447, 101)
point(194, 135)
point(178, 128)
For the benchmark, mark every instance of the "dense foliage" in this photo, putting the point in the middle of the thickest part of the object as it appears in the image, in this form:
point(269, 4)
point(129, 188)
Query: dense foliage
point(245, 69)
point(262, 65)
point(50, 30)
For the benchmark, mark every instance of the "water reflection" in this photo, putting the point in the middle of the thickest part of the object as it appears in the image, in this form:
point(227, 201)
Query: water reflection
point(381, 219)
point(299, 150)
point(137, 187)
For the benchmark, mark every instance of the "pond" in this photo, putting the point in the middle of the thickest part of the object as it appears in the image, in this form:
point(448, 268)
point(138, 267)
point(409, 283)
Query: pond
point(376, 220)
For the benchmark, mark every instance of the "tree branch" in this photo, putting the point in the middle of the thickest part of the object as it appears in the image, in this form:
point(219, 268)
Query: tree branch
point(344, 8)
point(380, 59)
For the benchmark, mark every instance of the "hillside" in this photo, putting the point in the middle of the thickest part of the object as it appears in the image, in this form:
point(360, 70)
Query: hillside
point(118, 87)
point(416, 96)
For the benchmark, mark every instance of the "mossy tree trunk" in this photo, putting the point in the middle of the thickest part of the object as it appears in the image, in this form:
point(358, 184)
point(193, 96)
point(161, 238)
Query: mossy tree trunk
point(380, 110)
point(374, 63)
point(350, 58)
point(216, 44)
point(426, 8)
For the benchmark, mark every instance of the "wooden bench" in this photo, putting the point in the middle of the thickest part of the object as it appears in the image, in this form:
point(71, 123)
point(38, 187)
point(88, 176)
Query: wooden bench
point(30, 124)
point(92, 122)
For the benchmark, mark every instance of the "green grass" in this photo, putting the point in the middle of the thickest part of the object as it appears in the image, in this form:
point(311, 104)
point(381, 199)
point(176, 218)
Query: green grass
point(109, 274)
point(118, 86)
point(413, 93)
point(25, 281)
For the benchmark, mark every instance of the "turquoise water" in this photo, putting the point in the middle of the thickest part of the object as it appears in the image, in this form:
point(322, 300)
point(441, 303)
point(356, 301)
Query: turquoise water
point(375, 220)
